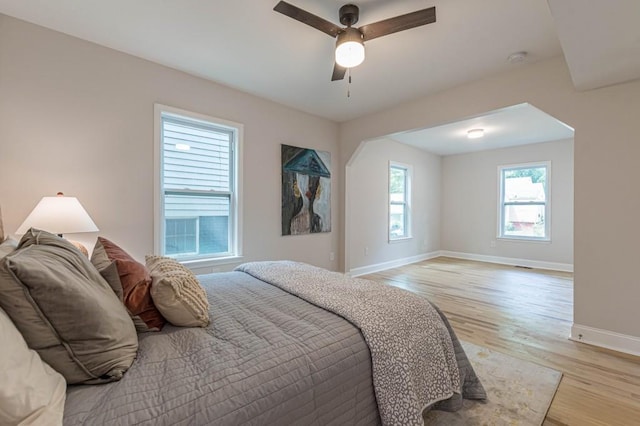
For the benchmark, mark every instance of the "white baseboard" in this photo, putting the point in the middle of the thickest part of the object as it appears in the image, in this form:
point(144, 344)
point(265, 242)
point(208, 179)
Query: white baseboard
point(370, 269)
point(565, 267)
point(605, 339)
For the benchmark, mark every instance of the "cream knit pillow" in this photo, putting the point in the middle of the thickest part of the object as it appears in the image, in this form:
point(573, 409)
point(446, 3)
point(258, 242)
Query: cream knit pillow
point(177, 293)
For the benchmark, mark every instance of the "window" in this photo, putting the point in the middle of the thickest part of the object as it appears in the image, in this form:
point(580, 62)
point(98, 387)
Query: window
point(399, 201)
point(197, 187)
point(524, 201)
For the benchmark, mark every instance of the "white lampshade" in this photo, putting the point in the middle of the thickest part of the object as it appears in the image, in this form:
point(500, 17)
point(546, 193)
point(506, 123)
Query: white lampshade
point(349, 48)
point(59, 215)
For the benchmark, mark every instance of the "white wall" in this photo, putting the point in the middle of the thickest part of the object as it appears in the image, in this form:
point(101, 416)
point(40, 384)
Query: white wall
point(367, 204)
point(78, 118)
point(470, 203)
point(606, 152)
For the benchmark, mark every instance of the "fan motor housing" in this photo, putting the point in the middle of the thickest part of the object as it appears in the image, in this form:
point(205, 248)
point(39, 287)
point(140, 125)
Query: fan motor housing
point(349, 14)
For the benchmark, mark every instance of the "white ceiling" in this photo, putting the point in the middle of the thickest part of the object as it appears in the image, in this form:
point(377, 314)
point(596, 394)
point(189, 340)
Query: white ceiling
point(516, 125)
point(246, 45)
point(600, 40)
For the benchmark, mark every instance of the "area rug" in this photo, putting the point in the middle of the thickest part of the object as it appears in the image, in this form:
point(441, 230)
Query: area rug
point(519, 393)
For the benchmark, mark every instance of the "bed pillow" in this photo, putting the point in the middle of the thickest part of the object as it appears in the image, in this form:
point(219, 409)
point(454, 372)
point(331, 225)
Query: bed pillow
point(8, 246)
point(66, 311)
point(135, 280)
point(177, 293)
point(31, 392)
point(107, 269)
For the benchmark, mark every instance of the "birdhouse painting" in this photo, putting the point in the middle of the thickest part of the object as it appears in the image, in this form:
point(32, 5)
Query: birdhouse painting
point(306, 191)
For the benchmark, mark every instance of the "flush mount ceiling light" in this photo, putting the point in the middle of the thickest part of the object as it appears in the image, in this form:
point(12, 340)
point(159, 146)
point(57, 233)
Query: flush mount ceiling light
point(349, 48)
point(475, 133)
point(516, 57)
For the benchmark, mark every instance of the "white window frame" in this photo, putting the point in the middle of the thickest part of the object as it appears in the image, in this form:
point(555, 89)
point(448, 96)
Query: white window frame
point(547, 203)
point(407, 192)
point(235, 204)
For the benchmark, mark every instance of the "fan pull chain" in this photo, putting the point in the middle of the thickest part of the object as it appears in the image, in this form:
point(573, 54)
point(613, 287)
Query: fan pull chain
point(349, 83)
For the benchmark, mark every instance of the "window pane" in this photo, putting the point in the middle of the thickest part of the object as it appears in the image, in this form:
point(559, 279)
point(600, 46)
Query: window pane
point(397, 198)
point(195, 157)
point(214, 233)
point(397, 183)
point(181, 236)
point(524, 221)
point(212, 217)
point(396, 220)
point(524, 185)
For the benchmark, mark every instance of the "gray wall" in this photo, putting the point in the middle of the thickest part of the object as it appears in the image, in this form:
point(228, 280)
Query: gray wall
point(78, 118)
point(470, 203)
point(367, 204)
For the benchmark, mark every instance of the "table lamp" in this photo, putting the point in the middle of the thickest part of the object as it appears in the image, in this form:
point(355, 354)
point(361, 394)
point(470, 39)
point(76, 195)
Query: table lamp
point(60, 215)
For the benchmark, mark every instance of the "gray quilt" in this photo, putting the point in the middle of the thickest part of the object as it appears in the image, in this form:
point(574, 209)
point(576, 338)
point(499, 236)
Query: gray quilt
point(413, 356)
point(268, 358)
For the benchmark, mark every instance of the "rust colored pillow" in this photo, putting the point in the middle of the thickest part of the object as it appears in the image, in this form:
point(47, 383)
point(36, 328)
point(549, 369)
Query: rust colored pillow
point(136, 287)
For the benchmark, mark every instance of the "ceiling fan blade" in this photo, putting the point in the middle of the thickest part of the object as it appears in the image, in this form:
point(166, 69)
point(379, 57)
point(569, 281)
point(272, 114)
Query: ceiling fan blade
point(338, 72)
point(399, 23)
point(307, 18)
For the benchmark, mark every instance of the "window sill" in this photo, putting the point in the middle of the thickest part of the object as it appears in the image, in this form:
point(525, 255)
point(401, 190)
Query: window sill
point(214, 261)
point(525, 240)
point(399, 240)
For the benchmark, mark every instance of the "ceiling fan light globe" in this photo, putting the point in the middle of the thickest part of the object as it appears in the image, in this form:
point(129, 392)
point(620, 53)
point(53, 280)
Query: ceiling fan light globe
point(350, 54)
point(349, 48)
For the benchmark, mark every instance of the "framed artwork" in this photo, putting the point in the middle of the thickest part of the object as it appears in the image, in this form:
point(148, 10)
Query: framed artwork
point(306, 190)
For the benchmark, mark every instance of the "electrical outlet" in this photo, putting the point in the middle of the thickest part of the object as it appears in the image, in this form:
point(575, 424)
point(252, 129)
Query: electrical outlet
point(492, 244)
point(366, 251)
point(332, 256)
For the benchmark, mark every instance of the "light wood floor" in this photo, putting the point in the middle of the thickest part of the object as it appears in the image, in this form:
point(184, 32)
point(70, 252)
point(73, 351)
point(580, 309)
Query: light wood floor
point(527, 313)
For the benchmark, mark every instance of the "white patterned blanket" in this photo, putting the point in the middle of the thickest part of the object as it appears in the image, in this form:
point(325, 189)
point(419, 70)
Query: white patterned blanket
point(413, 357)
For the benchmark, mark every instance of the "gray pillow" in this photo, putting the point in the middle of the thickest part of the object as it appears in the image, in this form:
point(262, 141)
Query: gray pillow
point(66, 311)
point(108, 269)
point(7, 246)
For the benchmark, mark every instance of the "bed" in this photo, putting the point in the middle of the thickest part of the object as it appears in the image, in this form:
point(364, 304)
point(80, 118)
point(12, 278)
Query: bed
point(287, 344)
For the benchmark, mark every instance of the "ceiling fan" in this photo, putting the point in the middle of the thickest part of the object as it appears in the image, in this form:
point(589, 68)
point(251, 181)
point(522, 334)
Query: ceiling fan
point(350, 40)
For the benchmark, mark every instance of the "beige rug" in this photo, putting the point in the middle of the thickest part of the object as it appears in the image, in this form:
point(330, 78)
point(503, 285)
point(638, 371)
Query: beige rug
point(519, 392)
